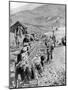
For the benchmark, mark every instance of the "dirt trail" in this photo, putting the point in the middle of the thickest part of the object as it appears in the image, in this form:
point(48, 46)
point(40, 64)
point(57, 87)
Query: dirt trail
point(54, 72)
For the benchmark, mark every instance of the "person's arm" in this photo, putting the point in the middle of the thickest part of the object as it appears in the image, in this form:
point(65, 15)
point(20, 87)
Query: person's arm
point(18, 64)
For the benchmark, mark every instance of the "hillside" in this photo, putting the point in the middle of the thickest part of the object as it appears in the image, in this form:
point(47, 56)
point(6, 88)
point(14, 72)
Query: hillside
point(42, 17)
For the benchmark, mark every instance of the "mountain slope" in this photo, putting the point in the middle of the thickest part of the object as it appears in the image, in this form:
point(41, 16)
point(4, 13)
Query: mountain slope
point(47, 15)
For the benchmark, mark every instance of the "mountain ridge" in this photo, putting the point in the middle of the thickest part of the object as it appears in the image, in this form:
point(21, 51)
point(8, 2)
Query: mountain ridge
point(45, 15)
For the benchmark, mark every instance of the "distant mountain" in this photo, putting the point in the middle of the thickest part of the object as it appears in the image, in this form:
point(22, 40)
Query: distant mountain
point(42, 17)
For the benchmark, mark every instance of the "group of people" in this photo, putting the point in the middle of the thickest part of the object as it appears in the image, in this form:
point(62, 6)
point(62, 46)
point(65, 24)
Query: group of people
point(22, 65)
point(27, 69)
point(31, 69)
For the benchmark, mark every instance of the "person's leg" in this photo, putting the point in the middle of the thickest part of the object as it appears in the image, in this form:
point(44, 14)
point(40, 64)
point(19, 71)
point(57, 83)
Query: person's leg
point(51, 55)
point(27, 73)
point(21, 72)
point(18, 71)
point(22, 75)
point(41, 62)
point(32, 73)
point(41, 69)
point(47, 56)
point(38, 67)
point(16, 78)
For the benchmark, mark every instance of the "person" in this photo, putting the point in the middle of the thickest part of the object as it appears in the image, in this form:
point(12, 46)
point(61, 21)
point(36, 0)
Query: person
point(48, 53)
point(37, 65)
point(51, 51)
point(54, 39)
point(63, 40)
point(42, 60)
point(22, 64)
point(27, 66)
point(19, 69)
point(50, 46)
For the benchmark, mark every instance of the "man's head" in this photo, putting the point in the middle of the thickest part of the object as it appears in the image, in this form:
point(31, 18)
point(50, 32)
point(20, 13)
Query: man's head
point(42, 57)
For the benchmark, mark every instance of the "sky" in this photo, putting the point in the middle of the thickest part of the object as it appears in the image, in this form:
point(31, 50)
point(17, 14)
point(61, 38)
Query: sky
point(18, 6)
